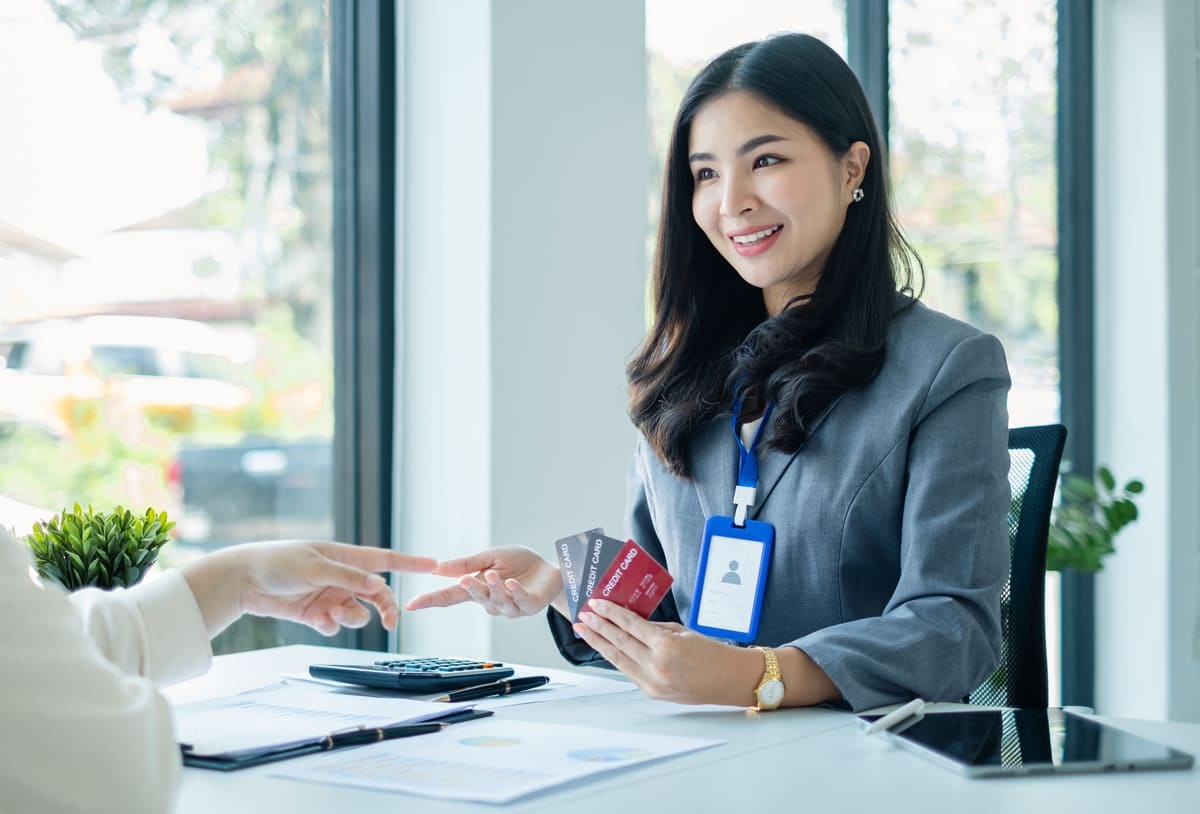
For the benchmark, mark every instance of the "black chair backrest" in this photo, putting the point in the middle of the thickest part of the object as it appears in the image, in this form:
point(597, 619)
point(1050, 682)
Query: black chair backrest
point(1020, 680)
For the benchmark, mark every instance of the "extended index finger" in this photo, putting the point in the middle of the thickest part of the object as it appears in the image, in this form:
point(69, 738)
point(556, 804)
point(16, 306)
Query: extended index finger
point(466, 565)
point(442, 598)
point(377, 559)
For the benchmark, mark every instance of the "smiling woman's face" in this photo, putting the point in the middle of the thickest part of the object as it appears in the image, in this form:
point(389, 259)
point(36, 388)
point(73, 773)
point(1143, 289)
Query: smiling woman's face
point(769, 194)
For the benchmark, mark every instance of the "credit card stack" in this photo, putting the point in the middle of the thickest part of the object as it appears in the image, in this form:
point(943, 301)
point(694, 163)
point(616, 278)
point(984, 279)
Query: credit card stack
point(620, 571)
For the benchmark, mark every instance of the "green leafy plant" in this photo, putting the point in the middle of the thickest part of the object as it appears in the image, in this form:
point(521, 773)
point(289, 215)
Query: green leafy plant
point(86, 548)
point(1087, 519)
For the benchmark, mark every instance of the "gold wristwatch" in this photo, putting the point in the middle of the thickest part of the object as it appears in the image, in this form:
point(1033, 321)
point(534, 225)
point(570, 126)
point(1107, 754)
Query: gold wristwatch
point(769, 691)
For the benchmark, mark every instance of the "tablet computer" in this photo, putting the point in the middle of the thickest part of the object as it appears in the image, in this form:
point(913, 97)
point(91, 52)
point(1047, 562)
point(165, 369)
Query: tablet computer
point(1016, 742)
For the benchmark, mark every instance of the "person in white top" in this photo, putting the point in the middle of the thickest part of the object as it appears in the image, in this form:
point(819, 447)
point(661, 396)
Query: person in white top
point(82, 726)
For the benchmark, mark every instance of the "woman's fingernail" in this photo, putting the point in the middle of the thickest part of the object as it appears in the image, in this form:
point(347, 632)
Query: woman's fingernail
point(374, 582)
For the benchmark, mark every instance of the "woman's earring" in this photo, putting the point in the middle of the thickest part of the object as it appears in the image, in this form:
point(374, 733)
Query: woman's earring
point(858, 194)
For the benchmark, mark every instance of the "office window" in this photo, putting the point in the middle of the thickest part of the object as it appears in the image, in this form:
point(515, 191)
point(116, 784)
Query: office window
point(683, 35)
point(972, 142)
point(972, 151)
point(166, 268)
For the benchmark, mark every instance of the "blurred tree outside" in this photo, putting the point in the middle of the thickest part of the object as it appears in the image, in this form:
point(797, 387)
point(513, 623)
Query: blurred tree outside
point(255, 75)
point(972, 151)
point(256, 71)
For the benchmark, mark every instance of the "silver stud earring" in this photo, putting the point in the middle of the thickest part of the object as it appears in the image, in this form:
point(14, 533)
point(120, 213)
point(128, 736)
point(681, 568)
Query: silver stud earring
point(858, 194)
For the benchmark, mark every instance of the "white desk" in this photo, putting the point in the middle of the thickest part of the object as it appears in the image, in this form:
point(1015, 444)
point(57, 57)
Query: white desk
point(806, 760)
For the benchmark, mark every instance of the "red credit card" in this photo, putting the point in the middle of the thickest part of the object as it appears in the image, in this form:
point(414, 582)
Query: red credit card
point(634, 580)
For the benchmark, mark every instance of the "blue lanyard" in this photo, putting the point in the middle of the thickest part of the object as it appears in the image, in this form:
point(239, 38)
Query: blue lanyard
point(747, 484)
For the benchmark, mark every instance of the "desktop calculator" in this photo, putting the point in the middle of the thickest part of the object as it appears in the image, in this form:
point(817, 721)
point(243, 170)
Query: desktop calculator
point(415, 675)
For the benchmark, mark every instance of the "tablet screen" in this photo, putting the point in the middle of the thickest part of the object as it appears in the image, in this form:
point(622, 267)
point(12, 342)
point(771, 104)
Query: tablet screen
point(1026, 741)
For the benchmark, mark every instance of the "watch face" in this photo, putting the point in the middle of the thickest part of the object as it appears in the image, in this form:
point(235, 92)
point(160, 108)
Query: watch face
point(770, 694)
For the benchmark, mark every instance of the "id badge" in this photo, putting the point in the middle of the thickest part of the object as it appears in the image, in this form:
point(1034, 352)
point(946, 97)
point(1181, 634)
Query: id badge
point(732, 578)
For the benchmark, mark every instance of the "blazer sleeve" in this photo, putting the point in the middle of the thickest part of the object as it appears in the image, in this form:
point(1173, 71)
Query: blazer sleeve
point(641, 530)
point(77, 692)
point(939, 635)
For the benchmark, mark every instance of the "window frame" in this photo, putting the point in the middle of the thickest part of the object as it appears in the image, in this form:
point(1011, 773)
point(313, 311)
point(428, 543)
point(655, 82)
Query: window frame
point(1075, 146)
point(363, 87)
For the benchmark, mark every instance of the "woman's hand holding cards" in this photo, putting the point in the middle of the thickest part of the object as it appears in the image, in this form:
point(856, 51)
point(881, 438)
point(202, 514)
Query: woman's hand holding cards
point(666, 660)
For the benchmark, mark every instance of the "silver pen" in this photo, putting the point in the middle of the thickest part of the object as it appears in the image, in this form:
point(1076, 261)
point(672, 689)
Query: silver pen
point(896, 716)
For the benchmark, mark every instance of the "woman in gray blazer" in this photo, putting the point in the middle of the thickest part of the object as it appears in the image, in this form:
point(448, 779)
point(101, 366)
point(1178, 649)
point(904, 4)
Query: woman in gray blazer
point(784, 299)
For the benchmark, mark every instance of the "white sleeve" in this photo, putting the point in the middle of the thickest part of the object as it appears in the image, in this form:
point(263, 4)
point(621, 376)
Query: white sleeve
point(84, 729)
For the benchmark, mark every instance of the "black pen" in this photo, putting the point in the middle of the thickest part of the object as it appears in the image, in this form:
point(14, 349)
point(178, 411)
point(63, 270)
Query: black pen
point(506, 686)
point(345, 737)
point(255, 755)
point(371, 734)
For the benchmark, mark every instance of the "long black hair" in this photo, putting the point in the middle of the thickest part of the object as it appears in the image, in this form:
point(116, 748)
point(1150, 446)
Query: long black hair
point(711, 340)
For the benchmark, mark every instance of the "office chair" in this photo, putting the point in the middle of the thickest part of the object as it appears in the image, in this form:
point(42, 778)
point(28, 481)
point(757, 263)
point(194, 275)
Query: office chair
point(1020, 680)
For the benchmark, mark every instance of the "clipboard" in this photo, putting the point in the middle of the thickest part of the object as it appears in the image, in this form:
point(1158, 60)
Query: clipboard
point(283, 721)
point(359, 736)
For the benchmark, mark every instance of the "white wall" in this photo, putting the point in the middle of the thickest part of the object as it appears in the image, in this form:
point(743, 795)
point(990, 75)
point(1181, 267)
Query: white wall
point(1147, 346)
point(522, 233)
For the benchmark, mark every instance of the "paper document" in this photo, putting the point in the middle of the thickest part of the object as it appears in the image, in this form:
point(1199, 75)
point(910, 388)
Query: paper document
point(284, 712)
point(491, 760)
point(563, 684)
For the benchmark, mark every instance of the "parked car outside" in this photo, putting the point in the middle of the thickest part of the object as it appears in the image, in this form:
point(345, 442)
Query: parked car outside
point(138, 365)
point(258, 489)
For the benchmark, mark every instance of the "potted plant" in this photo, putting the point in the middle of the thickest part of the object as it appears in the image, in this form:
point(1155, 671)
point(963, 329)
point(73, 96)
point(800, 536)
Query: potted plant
point(1087, 519)
point(87, 548)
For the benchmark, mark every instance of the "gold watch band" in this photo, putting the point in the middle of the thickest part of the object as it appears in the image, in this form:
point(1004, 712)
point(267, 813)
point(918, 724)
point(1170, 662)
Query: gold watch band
point(770, 690)
point(772, 664)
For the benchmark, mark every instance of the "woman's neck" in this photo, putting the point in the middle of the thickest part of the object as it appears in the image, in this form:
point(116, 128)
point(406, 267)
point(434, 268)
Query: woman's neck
point(776, 300)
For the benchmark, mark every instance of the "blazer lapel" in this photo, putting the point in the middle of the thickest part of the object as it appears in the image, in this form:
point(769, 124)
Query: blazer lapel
point(715, 454)
point(772, 467)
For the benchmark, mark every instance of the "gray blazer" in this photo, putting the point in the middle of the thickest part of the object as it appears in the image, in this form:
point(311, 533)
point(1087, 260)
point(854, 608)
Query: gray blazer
point(891, 544)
